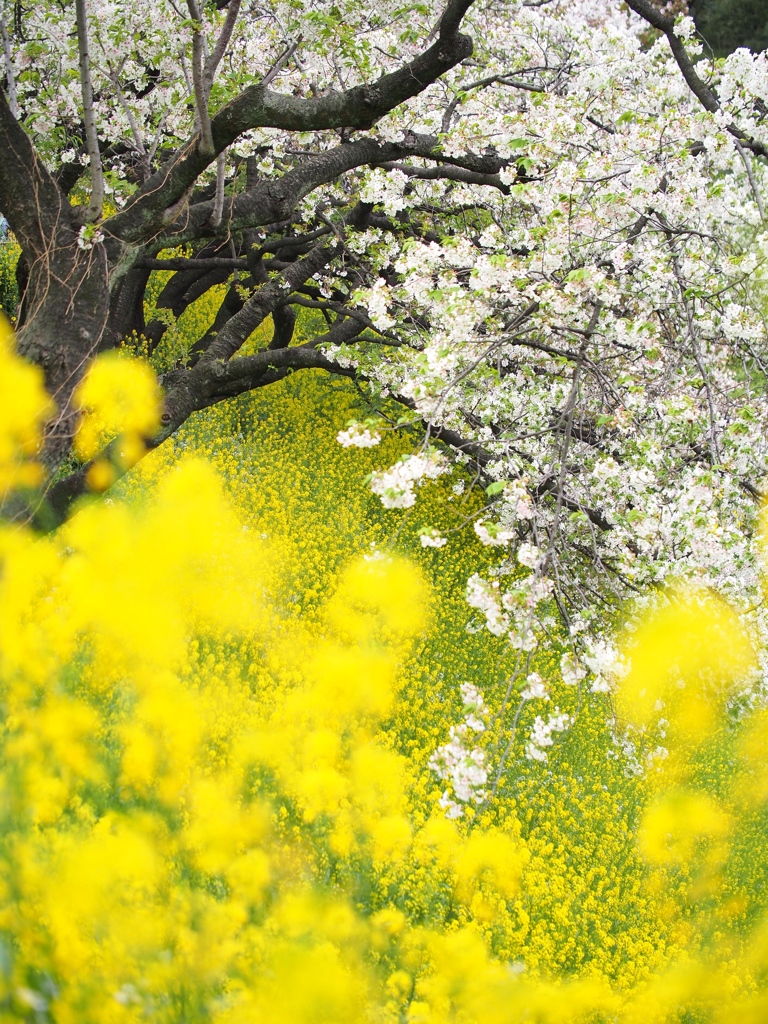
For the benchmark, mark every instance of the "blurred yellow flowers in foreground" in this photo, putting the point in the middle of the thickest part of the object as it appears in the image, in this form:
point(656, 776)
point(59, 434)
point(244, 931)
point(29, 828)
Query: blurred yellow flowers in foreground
point(215, 796)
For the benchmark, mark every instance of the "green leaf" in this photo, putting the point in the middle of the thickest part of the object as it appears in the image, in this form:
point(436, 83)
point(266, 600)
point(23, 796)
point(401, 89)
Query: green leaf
point(581, 274)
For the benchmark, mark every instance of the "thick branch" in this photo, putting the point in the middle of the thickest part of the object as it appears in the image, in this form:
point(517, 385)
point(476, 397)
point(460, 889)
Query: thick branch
point(193, 263)
point(270, 201)
point(29, 195)
point(265, 300)
point(550, 486)
point(218, 202)
point(180, 292)
point(248, 369)
point(453, 15)
point(446, 173)
point(231, 304)
point(240, 376)
point(360, 107)
point(193, 388)
point(284, 321)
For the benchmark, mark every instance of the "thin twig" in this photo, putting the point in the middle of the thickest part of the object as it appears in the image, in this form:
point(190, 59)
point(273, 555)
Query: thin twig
point(218, 202)
point(751, 176)
point(209, 71)
point(280, 63)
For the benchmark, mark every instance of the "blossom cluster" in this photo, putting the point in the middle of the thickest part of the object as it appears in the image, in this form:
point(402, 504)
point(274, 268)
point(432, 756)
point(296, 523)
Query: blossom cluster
point(358, 436)
point(541, 734)
point(464, 768)
point(396, 486)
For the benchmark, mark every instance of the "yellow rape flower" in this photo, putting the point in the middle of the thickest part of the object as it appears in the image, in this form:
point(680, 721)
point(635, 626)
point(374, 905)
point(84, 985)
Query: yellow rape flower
point(400, 985)
point(119, 398)
point(381, 598)
point(391, 837)
point(24, 408)
point(752, 786)
point(492, 858)
point(684, 660)
point(676, 825)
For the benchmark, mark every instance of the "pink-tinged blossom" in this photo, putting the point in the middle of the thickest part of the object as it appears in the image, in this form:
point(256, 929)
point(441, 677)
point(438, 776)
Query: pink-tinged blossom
point(528, 555)
point(358, 436)
point(535, 688)
point(541, 734)
point(432, 538)
point(484, 596)
point(396, 486)
point(572, 672)
point(457, 762)
point(492, 535)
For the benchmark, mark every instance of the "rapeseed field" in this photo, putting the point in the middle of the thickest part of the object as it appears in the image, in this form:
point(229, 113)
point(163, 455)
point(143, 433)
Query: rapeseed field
point(223, 681)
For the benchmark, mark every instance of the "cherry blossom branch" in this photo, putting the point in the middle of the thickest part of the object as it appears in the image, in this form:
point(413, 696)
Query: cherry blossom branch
point(280, 63)
point(215, 58)
point(258, 106)
point(484, 83)
point(96, 206)
point(132, 123)
point(666, 24)
point(566, 417)
point(447, 173)
point(751, 178)
point(268, 202)
point(201, 99)
point(218, 202)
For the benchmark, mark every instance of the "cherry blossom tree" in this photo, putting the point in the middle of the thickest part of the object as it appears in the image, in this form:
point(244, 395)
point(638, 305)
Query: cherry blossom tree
point(212, 126)
point(538, 225)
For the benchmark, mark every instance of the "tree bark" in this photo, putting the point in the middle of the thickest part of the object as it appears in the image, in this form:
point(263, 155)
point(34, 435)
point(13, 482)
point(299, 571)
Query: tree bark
point(66, 299)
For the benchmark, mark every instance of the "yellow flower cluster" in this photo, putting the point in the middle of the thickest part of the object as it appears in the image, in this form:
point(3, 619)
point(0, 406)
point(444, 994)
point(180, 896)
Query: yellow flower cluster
point(24, 409)
point(704, 812)
point(221, 687)
point(120, 402)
